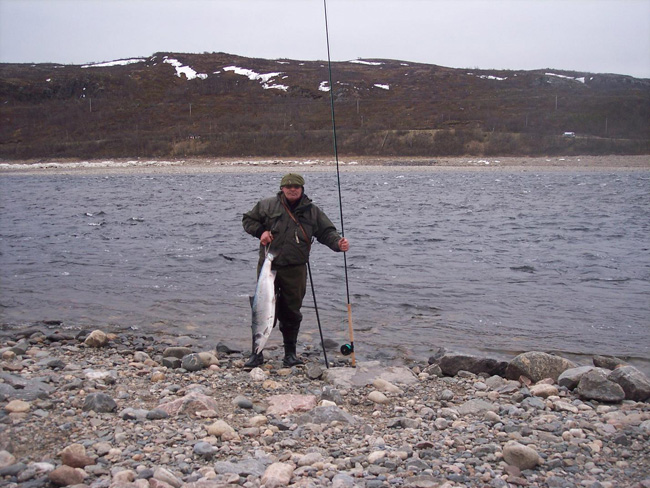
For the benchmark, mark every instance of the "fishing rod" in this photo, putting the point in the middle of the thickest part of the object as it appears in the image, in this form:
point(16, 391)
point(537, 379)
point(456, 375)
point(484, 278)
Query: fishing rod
point(346, 349)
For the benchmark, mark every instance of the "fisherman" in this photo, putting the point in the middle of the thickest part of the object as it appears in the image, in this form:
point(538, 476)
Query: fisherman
point(285, 225)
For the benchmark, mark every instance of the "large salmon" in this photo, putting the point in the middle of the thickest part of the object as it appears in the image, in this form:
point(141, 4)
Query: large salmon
point(263, 305)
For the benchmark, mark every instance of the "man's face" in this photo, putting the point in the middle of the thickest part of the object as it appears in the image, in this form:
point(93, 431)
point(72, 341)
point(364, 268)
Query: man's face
point(292, 192)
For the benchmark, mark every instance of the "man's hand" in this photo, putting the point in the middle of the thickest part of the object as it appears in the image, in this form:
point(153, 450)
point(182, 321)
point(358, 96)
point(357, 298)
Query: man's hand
point(344, 245)
point(266, 238)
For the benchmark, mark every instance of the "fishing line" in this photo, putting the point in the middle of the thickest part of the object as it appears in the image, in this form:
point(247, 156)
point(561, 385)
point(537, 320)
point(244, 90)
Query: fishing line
point(347, 348)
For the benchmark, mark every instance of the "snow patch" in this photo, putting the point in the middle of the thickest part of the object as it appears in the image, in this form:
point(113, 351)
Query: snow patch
point(369, 63)
point(572, 78)
point(189, 73)
point(264, 78)
point(383, 87)
point(119, 62)
point(491, 77)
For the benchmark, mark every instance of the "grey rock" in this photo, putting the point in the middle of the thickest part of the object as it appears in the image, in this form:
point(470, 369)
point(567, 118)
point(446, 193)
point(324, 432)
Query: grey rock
point(446, 395)
point(537, 366)
point(437, 354)
point(19, 388)
point(608, 362)
point(97, 338)
point(130, 413)
point(245, 467)
point(403, 423)
point(171, 362)
point(523, 457)
point(332, 395)
point(451, 364)
point(192, 362)
point(176, 352)
point(343, 480)
point(534, 402)
point(634, 383)
point(571, 377)
point(594, 385)
point(99, 402)
point(59, 336)
point(325, 415)
point(314, 371)
point(366, 372)
point(242, 402)
point(157, 414)
point(225, 349)
point(434, 370)
point(163, 474)
point(56, 364)
point(204, 450)
point(12, 469)
point(21, 348)
point(476, 406)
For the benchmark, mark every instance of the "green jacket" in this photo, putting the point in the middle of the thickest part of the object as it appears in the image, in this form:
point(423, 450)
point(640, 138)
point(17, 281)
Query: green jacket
point(289, 246)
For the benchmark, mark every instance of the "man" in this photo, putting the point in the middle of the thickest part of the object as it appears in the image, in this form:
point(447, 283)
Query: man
point(286, 223)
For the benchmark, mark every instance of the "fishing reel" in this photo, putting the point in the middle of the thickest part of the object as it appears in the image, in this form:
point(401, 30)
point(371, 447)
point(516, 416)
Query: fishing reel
point(347, 349)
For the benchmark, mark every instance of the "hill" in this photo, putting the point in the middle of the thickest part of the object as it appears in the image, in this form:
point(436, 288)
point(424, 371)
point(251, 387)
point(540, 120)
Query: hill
point(216, 104)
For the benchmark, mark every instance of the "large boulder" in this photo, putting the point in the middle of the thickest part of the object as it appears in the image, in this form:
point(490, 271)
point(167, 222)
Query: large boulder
point(608, 362)
point(451, 364)
point(97, 338)
point(571, 377)
point(99, 402)
point(191, 404)
point(634, 383)
point(521, 456)
point(366, 372)
point(594, 385)
point(537, 366)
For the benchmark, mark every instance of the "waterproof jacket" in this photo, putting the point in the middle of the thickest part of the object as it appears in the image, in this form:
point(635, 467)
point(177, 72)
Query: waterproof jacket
point(290, 246)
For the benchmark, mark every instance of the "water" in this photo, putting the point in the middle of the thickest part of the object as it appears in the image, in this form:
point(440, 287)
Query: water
point(484, 262)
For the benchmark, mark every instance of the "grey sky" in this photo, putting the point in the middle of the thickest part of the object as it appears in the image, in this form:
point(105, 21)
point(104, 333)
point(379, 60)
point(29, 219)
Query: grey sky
point(582, 35)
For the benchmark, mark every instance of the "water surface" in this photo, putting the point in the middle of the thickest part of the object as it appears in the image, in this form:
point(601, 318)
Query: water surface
point(493, 262)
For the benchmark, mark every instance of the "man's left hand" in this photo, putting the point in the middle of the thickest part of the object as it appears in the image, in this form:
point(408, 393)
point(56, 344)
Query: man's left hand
point(344, 245)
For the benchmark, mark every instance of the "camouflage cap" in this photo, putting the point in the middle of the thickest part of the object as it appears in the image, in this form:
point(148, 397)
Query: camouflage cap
point(292, 179)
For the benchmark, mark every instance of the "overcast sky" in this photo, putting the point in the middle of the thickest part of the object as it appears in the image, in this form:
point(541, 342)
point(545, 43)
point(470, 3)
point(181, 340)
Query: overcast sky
point(598, 36)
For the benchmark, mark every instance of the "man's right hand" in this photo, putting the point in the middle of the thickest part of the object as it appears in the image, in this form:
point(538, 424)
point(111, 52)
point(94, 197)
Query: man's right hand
point(266, 238)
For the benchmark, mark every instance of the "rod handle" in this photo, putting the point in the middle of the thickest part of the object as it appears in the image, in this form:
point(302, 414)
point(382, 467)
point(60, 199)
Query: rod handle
point(351, 333)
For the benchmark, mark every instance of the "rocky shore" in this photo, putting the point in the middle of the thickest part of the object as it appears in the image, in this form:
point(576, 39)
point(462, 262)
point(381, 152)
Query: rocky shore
point(104, 410)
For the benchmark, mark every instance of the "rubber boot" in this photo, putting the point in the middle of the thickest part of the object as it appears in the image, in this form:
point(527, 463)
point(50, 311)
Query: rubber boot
point(255, 360)
point(290, 358)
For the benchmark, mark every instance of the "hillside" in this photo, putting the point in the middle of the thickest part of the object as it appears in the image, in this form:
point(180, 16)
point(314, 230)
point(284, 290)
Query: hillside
point(180, 105)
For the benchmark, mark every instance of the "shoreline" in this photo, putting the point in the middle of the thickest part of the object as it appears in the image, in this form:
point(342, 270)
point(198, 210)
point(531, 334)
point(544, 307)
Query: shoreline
point(347, 164)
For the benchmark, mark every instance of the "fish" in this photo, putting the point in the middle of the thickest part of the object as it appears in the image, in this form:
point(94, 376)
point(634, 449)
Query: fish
point(263, 305)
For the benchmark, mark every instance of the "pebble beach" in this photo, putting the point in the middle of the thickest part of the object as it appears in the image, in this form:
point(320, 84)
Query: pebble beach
point(94, 409)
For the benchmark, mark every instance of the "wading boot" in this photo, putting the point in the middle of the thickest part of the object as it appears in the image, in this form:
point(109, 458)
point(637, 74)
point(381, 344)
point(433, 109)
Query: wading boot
point(255, 360)
point(290, 358)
